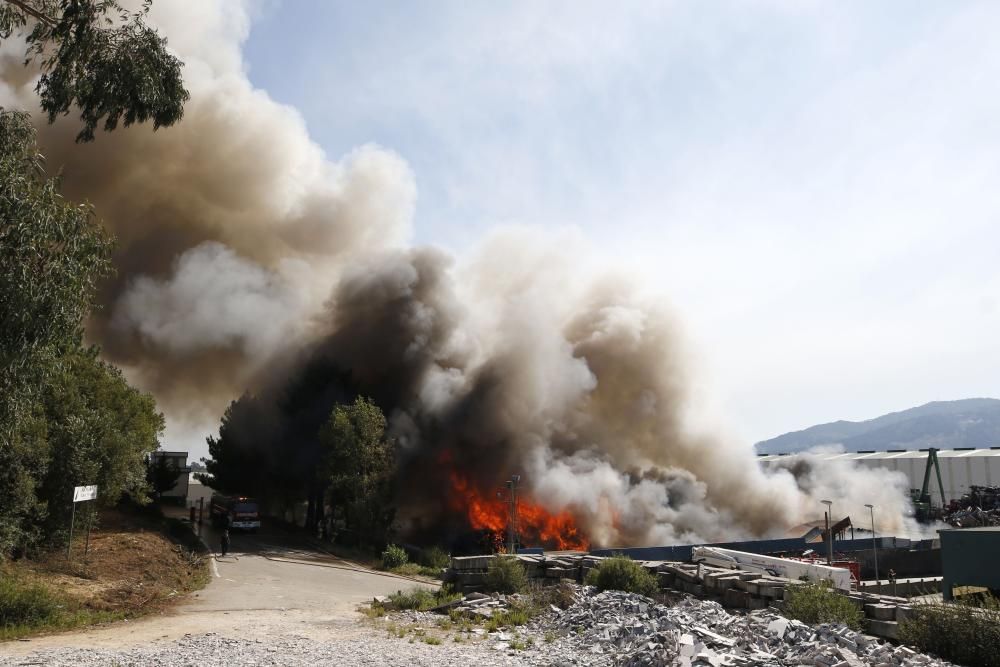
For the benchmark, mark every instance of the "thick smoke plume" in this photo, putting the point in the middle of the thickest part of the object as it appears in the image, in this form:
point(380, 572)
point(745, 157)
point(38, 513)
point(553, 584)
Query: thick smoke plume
point(247, 258)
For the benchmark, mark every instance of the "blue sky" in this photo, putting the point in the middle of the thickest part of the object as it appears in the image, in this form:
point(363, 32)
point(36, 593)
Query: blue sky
point(812, 186)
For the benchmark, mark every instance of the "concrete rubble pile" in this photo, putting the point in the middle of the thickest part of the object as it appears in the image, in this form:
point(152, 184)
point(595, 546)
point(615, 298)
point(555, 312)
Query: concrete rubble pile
point(628, 629)
point(734, 589)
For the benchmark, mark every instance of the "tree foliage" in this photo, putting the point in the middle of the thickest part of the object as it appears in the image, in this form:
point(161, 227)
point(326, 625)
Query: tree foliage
point(66, 418)
point(291, 449)
point(241, 457)
point(53, 252)
point(161, 474)
point(359, 462)
point(87, 426)
point(100, 58)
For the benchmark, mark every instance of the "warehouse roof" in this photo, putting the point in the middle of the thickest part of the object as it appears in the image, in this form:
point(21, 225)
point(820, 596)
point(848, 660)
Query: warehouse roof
point(892, 454)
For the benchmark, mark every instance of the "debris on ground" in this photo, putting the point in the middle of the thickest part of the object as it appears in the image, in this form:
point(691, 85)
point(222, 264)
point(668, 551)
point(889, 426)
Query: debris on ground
point(616, 628)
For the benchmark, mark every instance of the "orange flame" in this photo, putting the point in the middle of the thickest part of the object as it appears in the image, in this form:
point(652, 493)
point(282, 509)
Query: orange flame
point(535, 524)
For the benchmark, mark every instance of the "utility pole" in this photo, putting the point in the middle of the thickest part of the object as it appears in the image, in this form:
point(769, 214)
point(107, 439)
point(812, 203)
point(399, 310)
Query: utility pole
point(829, 533)
point(871, 508)
point(72, 521)
point(512, 532)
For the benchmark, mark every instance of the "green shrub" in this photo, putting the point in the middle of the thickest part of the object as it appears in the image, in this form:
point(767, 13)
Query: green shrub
point(506, 575)
point(394, 556)
point(963, 633)
point(25, 604)
point(415, 570)
point(435, 557)
point(421, 599)
point(818, 603)
point(621, 573)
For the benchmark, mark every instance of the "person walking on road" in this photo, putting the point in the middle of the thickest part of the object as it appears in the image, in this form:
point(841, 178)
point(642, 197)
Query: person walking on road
point(225, 536)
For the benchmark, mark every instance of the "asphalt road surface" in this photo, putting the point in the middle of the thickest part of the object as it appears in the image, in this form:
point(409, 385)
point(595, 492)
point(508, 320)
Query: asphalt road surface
point(271, 583)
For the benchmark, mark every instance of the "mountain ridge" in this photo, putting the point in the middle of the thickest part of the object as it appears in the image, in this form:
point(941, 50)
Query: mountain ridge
point(969, 422)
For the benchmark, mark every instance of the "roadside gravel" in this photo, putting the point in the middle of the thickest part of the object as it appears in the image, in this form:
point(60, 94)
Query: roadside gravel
point(367, 647)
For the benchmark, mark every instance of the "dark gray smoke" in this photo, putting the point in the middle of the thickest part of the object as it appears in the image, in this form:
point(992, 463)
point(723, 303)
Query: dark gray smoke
point(247, 258)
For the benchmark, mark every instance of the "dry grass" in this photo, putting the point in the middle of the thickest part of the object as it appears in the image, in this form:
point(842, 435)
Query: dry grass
point(132, 568)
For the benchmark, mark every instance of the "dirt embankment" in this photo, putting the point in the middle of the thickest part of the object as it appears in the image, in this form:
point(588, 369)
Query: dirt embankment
point(137, 563)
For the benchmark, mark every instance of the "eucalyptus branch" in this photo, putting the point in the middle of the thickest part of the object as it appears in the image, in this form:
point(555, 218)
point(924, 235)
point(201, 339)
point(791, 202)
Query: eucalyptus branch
point(31, 11)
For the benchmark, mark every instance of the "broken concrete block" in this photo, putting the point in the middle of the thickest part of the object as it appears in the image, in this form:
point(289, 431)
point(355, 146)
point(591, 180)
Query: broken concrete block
point(777, 627)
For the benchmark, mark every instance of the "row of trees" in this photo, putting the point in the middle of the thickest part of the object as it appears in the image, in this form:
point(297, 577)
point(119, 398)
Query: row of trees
point(67, 418)
point(341, 470)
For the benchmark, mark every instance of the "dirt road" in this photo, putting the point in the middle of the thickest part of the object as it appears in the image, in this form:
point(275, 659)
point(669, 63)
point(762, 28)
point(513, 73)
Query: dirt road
point(271, 584)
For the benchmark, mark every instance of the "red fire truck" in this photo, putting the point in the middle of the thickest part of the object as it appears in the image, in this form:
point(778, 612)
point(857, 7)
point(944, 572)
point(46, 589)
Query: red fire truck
point(239, 512)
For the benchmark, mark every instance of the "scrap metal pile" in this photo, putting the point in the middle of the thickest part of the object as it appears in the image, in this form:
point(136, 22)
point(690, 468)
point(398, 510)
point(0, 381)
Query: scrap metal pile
point(979, 507)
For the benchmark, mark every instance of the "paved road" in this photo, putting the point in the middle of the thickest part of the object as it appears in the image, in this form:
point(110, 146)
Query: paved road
point(275, 570)
point(271, 583)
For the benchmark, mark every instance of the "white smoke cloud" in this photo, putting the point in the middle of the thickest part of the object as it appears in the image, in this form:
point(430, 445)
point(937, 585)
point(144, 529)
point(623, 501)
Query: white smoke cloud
point(215, 298)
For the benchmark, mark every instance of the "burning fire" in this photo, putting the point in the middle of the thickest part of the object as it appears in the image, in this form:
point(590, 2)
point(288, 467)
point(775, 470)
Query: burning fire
point(535, 524)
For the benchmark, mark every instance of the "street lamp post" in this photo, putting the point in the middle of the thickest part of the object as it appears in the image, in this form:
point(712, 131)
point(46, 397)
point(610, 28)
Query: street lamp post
point(871, 508)
point(829, 532)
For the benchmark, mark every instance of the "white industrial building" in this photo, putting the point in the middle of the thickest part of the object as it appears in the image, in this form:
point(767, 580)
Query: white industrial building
point(960, 468)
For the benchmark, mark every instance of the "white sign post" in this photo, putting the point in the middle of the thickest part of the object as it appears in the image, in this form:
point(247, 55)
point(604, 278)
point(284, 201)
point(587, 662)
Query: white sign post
point(80, 494)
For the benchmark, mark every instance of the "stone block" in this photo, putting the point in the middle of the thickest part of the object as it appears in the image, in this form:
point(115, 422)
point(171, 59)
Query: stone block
point(691, 576)
point(772, 591)
point(727, 581)
point(692, 588)
point(858, 601)
point(886, 629)
point(881, 612)
point(470, 578)
point(734, 597)
point(560, 572)
point(470, 562)
point(757, 603)
point(904, 613)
